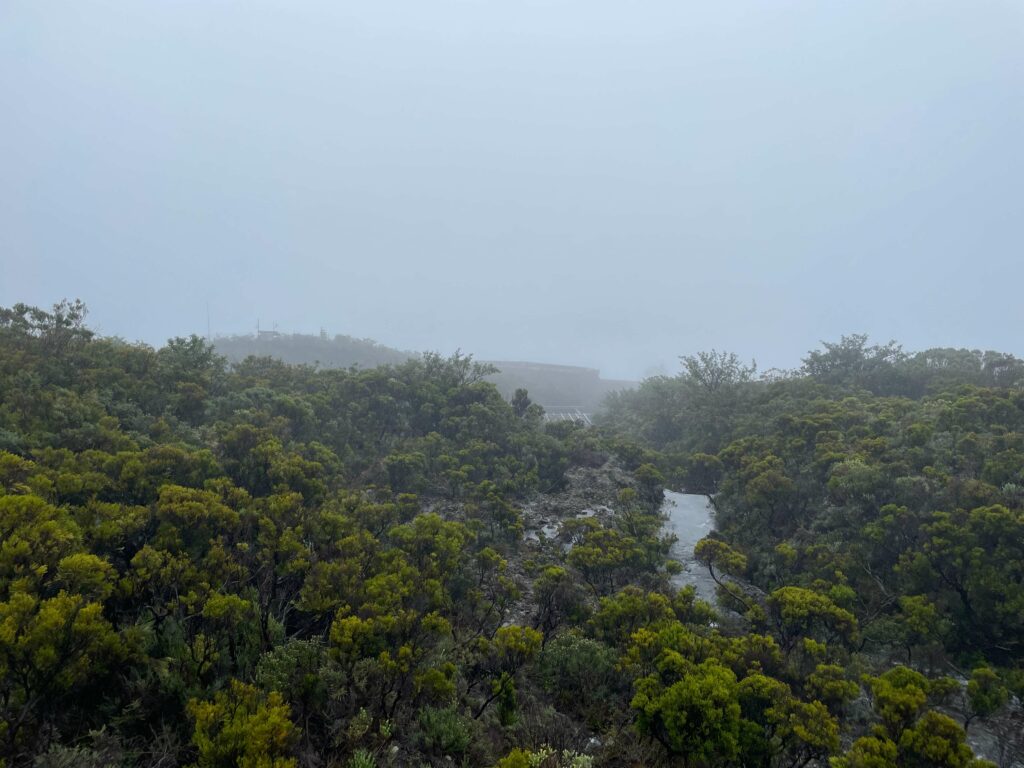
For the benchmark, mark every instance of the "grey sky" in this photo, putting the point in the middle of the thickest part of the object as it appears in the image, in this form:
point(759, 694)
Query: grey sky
point(592, 182)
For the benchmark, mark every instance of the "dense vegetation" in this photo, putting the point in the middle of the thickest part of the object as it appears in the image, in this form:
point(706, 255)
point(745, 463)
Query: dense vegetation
point(265, 565)
point(871, 500)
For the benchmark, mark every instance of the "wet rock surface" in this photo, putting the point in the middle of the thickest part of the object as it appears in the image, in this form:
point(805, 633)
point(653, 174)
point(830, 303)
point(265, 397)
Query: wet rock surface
point(589, 492)
point(689, 517)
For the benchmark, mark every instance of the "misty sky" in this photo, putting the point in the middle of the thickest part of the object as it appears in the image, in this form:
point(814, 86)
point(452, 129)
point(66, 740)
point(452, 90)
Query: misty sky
point(602, 183)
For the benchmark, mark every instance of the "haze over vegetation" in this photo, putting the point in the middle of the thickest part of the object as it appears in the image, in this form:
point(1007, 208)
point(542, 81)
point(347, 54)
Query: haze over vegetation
point(575, 182)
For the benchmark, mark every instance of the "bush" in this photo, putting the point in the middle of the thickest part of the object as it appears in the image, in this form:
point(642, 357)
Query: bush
point(444, 731)
point(580, 674)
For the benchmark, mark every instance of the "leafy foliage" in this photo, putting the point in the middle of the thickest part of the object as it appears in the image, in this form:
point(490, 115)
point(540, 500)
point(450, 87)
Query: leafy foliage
point(258, 564)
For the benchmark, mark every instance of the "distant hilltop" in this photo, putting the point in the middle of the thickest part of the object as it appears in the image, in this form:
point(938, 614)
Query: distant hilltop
point(325, 351)
point(549, 385)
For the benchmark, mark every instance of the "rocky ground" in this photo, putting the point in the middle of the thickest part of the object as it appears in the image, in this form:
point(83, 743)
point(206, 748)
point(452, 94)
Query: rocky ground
point(589, 491)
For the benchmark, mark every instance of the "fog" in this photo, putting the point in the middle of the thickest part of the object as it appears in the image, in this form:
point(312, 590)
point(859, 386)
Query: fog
point(586, 182)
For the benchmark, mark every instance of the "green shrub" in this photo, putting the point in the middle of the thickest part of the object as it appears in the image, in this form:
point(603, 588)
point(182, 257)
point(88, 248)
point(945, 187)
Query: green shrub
point(444, 731)
point(580, 674)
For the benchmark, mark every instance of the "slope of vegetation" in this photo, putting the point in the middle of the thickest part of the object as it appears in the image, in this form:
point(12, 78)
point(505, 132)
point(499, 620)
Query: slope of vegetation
point(274, 566)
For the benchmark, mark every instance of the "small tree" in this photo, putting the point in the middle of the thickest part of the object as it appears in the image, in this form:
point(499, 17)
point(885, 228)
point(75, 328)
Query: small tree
point(520, 403)
point(242, 728)
point(986, 695)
